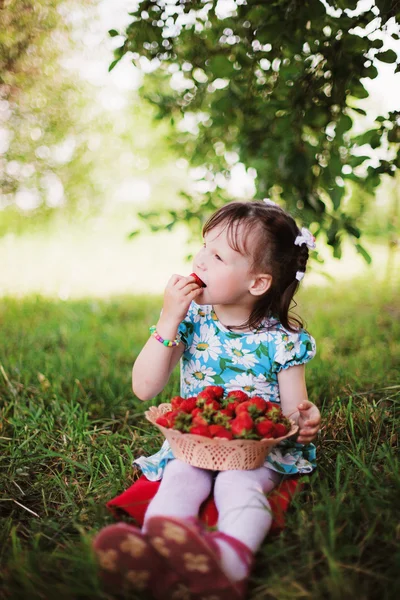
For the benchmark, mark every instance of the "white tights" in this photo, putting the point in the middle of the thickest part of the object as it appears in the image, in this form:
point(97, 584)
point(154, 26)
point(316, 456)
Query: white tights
point(244, 512)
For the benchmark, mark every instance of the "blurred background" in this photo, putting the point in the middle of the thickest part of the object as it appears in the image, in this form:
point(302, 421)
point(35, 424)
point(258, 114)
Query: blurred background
point(81, 154)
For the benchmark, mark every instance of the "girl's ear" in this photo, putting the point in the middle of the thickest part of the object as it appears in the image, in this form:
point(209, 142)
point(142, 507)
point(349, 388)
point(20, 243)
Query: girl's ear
point(260, 284)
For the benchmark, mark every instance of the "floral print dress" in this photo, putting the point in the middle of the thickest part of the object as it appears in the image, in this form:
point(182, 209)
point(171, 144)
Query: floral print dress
point(248, 361)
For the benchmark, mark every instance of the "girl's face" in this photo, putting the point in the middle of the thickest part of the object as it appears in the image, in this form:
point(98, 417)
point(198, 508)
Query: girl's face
point(226, 272)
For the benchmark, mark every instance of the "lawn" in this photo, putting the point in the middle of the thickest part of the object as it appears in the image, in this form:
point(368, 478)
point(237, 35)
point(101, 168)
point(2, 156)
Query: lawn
point(70, 427)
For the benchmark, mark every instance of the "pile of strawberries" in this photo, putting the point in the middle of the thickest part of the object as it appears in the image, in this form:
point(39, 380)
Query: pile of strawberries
point(233, 416)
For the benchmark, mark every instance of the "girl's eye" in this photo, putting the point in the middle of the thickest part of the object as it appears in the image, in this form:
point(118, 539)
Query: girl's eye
point(218, 257)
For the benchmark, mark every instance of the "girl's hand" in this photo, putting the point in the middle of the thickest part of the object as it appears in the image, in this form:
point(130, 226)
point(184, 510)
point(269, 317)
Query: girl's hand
point(309, 422)
point(178, 295)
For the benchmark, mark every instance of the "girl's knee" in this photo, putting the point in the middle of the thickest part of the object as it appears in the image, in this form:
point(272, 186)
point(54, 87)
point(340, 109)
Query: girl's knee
point(186, 474)
point(229, 481)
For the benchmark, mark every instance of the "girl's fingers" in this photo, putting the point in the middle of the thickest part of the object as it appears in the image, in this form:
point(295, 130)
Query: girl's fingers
point(302, 440)
point(312, 423)
point(194, 293)
point(184, 281)
point(305, 405)
point(173, 280)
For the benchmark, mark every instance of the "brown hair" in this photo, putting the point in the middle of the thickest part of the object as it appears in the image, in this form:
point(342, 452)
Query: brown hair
point(273, 252)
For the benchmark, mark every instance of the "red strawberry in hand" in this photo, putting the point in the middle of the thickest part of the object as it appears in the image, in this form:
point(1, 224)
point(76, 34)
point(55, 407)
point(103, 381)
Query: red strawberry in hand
point(220, 431)
point(242, 425)
point(197, 280)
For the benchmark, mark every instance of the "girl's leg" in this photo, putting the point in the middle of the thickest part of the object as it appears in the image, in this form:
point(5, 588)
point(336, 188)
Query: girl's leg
point(244, 513)
point(182, 490)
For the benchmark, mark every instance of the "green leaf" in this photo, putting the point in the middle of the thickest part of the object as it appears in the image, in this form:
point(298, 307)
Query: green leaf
point(112, 65)
point(361, 250)
point(344, 124)
point(220, 66)
point(389, 56)
point(336, 195)
point(112, 32)
point(133, 234)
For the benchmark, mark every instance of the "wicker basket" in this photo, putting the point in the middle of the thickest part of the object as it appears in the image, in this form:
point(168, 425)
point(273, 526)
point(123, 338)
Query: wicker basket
point(216, 454)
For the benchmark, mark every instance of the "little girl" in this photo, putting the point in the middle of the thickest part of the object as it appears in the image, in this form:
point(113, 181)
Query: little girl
point(235, 332)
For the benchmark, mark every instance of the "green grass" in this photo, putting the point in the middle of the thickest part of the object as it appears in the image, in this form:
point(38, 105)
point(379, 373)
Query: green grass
point(70, 427)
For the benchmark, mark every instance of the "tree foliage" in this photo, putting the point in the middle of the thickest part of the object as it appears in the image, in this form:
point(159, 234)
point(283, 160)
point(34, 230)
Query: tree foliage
point(275, 85)
point(39, 104)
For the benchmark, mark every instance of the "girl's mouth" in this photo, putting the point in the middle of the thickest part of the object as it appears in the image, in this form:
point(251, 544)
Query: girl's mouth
point(197, 279)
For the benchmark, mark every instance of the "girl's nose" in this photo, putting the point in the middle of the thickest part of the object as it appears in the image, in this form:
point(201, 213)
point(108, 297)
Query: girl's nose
point(199, 261)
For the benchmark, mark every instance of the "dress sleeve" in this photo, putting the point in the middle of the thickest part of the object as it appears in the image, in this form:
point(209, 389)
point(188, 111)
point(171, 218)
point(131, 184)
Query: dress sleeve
point(186, 328)
point(292, 349)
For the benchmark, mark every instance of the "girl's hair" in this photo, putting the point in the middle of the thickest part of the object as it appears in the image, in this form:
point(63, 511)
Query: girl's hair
point(268, 235)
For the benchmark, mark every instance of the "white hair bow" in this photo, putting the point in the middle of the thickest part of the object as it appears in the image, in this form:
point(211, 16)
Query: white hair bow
point(305, 237)
point(270, 202)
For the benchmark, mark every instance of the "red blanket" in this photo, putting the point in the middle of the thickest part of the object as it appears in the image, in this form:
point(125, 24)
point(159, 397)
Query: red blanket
point(136, 498)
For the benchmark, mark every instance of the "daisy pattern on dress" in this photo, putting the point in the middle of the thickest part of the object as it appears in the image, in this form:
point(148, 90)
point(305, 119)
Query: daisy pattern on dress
point(199, 314)
point(252, 385)
point(257, 337)
point(238, 355)
point(197, 374)
point(287, 347)
point(207, 344)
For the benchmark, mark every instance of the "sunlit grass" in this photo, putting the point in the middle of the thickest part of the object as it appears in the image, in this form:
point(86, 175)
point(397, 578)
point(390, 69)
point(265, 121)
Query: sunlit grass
point(70, 427)
point(97, 259)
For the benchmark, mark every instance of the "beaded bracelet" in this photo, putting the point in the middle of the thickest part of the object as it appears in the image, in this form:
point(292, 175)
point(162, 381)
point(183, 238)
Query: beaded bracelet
point(168, 343)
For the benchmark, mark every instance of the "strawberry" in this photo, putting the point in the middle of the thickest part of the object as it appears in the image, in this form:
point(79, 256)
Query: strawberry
point(242, 425)
point(208, 413)
point(230, 403)
point(238, 395)
point(274, 413)
point(265, 428)
point(227, 412)
point(197, 280)
point(212, 404)
point(170, 417)
point(163, 421)
point(203, 397)
point(254, 407)
point(175, 402)
point(216, 390)
point(220, 431)
point(196, 411)
point(280, 430)
point(242, 408)
point(187, 405)
point(183, 422)
point(200, 430)
point(198, 419)
point(221, 419)
point(259, 404)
